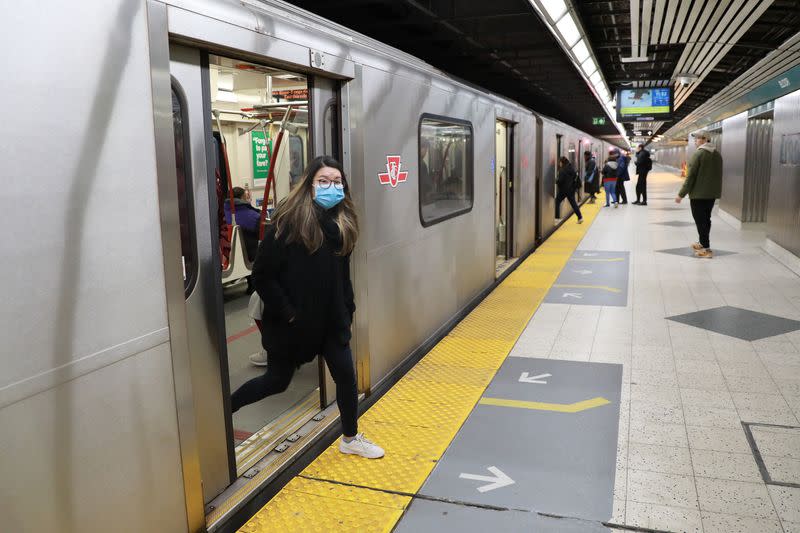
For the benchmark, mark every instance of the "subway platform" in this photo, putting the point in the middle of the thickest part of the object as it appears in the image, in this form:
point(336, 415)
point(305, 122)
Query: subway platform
point(612, 382)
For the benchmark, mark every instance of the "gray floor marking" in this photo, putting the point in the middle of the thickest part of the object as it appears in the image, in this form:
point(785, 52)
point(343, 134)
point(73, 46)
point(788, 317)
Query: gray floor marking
point(737, 322)
point(533, 459)
point(592, 277)
point(687, 251)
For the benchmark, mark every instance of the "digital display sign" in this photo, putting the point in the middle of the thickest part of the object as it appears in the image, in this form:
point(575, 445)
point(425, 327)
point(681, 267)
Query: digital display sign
point(644, 104)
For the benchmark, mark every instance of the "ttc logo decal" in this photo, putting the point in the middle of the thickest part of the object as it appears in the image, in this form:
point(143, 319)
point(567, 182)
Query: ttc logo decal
point(393, 175)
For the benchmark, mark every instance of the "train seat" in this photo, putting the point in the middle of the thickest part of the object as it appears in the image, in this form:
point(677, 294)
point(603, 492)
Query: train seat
point(240, 266)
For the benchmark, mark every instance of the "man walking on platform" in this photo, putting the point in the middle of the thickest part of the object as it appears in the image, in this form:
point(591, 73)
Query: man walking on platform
point(703, 185)
point(643, 165)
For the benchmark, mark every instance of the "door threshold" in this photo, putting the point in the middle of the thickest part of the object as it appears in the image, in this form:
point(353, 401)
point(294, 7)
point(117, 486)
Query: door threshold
point(259, 444)
point(265, 470)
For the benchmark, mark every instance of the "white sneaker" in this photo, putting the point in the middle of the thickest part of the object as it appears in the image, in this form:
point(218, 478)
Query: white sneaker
point(260, 358)
point(362, 446)
point(616, 205)
point(580, 221)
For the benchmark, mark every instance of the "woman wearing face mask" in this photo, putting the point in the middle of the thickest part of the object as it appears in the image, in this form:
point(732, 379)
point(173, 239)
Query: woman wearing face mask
point(302, 273)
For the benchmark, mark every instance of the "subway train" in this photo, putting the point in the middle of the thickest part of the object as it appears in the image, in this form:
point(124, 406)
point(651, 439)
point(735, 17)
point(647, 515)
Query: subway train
point(126, 306)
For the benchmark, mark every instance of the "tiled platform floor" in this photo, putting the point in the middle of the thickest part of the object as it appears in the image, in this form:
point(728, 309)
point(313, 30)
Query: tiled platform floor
point(684, 463)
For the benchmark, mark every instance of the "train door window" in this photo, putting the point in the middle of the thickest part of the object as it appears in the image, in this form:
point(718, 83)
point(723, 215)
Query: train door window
point(554, 166)
point(248, 104)
point(572, 156)
point(445, 168)
point(501, 176)
point(184, 182)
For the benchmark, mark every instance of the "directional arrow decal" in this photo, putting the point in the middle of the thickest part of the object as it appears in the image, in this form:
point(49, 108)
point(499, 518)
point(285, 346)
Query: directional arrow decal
point(572, 295)
point(499, 480)
point(525, 378)
point(584, 272)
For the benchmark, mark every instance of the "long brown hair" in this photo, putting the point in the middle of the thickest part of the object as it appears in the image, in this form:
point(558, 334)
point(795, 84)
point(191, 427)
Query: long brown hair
point(296, 219)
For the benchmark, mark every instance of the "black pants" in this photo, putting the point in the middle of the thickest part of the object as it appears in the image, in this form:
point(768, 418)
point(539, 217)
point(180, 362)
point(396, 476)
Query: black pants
point(701, 211)
point(279, 374)
point(570, 196)
point(622, 197)
point(641, 187)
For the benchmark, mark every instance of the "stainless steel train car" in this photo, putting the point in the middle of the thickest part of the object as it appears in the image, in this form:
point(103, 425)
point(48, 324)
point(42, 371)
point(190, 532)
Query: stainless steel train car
point(118, 327)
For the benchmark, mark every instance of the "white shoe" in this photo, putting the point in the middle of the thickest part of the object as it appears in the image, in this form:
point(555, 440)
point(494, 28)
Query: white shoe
point(616, 205)
point(580, 221)
point(260, 358)
point(362, 446)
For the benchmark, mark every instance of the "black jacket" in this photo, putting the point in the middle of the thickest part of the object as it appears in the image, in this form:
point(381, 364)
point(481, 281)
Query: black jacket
point(643, 161)
point(566, 179)
point(308, 298)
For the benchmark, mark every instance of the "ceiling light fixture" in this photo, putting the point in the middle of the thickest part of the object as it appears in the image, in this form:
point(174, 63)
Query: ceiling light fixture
point(581, 51)
point(554, 8)
point(588, 67)
point(569, 30)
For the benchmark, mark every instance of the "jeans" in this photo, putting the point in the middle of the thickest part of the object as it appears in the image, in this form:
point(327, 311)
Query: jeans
point(621, 194)
point(280, 370)
point(571, 199)
point(641, 187)
point(611, 191)
point(701, 211)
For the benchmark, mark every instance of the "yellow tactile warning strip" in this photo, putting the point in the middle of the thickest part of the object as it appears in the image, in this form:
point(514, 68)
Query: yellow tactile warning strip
point(417, 419)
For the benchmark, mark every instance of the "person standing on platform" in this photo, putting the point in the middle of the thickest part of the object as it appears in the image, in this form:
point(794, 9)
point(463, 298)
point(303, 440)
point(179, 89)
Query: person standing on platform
point(302, 274)
point(566, 186)
point(644, 164)
point(703, 184)
point(609, 173)
point(591, 176)
point(622, 176)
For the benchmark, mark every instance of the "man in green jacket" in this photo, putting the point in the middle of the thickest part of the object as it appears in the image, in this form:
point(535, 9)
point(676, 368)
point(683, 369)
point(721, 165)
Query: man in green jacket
point(703, 185)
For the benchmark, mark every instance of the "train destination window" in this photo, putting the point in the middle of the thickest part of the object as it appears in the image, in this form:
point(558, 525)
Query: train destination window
point(445, 168)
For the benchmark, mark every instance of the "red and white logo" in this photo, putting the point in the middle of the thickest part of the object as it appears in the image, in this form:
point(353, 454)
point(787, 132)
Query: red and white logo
point(393, 174)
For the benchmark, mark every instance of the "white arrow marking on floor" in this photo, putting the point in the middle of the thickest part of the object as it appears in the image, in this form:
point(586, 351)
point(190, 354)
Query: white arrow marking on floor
point(577, 295)
point(584, 272)
point(588, 255)
point(499, 480)
point(526, 378)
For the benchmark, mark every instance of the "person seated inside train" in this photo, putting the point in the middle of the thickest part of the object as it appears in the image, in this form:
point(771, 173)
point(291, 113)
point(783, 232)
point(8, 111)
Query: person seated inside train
point(247, 218)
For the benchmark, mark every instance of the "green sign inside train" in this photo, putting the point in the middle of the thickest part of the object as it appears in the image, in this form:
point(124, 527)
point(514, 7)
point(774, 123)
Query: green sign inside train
point(598, 121)
point(261, 153)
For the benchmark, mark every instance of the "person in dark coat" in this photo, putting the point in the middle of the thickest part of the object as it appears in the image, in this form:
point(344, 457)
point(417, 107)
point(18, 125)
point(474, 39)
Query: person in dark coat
point(622, 176)
point(247, 218)
point(644, 164)
point(302, 274)
point(591, 176)
point(566, 186)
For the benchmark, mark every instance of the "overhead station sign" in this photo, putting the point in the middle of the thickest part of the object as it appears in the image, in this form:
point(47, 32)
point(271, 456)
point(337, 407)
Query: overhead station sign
point(644, 104)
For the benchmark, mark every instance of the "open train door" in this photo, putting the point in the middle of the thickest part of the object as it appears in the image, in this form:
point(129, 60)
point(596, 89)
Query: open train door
point(228, 115)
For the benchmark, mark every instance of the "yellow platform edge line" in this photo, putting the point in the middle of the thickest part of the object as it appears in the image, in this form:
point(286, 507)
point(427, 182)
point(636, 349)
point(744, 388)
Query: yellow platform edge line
point(494, 326)
point(544, 406)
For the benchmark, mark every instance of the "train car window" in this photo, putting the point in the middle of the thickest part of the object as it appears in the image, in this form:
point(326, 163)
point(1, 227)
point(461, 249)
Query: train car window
point(571, 155)
point(297, 160)
point(184, 183)
point(445, 168)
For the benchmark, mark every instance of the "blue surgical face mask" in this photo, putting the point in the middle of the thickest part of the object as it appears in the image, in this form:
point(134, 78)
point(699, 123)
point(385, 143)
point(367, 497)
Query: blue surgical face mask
point(327, 198)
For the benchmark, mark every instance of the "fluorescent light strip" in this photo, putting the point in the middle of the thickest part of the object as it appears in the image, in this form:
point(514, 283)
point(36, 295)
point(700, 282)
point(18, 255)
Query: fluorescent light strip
point(580, 51)
point(568, 30)
point(554, 8)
